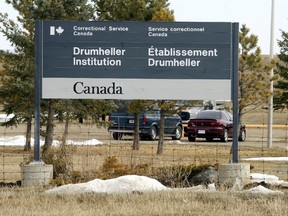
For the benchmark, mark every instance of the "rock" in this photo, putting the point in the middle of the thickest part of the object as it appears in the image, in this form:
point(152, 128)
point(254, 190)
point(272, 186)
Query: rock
point(206, 176)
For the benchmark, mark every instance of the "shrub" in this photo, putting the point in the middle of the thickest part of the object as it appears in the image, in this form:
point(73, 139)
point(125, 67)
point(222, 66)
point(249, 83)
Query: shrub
point(61, 159)
point(179, 175)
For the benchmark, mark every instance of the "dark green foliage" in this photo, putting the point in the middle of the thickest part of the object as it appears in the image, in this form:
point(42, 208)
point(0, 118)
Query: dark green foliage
point(281, 99)
point(17, 77)
point(133, 10)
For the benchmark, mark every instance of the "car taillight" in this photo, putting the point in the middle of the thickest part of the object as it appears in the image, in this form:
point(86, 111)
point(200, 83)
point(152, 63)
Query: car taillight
point(215, 123)
point(191, 123)
point(144, 120)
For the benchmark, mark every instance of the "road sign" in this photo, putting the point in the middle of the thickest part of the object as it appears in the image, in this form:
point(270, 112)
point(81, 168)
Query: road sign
point(135, 60)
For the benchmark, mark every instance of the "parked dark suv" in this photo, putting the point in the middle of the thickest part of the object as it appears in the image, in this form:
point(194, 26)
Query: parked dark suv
point(149, 125)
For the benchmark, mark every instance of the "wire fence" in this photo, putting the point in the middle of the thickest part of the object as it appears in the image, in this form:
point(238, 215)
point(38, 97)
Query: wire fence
point(89, 146)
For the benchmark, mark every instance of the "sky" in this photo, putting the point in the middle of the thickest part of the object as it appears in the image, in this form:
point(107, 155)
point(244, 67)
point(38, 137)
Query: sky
point(256, 14)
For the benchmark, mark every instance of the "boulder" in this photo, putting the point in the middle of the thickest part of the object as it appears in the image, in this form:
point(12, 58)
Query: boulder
point(206, 176)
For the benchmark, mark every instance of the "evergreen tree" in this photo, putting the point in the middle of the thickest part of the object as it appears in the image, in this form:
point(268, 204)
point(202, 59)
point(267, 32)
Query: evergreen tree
point(253, 76)
point(18, 73)
point(17, 79)
point(281, 86)
point(133, 10)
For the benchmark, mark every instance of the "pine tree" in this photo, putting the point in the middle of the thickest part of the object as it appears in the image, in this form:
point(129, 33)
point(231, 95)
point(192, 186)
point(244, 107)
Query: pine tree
point(281, 86)
point(133, 10)
point(253, 76)
point(17, 79)
point(17, 88)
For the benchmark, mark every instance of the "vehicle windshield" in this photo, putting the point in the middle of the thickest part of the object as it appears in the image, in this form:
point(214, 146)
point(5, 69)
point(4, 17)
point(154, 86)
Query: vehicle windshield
point(208, 115)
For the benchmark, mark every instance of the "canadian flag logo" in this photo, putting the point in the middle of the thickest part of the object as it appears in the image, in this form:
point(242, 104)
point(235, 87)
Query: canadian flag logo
point(53, 30)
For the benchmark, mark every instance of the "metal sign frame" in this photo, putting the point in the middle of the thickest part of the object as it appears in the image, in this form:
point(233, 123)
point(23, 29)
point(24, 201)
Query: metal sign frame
point(136, 60)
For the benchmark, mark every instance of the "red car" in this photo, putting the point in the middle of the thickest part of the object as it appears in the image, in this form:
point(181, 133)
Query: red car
point(210, 124)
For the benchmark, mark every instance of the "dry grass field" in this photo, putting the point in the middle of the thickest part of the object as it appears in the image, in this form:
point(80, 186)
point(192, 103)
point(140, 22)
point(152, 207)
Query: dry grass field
point(32, 201)
point(89, 160)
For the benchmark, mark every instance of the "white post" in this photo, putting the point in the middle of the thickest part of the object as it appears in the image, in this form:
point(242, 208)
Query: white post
point(270, 100)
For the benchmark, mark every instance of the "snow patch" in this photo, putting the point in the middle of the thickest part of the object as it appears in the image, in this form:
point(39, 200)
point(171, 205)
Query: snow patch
point(20, 141)
point(122, 184)
point(262, 190)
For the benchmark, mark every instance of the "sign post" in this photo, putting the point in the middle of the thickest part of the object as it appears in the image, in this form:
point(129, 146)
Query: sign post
point(37, 91)
point(236, 122)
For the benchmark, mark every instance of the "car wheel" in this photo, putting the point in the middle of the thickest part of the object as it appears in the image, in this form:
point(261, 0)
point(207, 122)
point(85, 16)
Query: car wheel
point(209, 139)
point(224, 138)
point(117, 136)
point(191, 138)
point(242, 135)
point(153, 133)
point(178, 133)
